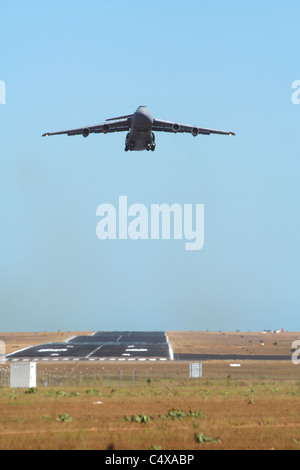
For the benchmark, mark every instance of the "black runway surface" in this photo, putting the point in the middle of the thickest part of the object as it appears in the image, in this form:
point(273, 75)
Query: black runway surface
point(122, 346)
point(102, 345)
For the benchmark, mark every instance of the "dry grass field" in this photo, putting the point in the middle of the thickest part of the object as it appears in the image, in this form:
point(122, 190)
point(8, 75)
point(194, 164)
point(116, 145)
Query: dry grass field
point(246, 343)
point(213, 414)
point(254, 406)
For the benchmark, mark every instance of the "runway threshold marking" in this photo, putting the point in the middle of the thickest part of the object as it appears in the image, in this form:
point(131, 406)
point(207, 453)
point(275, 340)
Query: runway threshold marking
point(96, 359)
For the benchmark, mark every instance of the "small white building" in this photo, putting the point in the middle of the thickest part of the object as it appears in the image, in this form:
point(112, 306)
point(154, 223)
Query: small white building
point(23, 375)
point(195, 370)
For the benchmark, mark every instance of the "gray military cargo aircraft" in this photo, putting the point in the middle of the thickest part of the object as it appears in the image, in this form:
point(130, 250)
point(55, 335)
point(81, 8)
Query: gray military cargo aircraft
point(140, 126)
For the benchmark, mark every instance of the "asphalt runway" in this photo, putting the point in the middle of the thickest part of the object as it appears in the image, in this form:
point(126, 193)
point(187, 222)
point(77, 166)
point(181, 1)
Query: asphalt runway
point(102, 345)
point(122, 346)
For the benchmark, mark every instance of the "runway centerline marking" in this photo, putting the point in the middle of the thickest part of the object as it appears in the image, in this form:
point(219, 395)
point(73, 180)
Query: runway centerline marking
point(95, 350)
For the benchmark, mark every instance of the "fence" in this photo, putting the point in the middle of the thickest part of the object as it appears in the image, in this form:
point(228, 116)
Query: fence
point(87, 375)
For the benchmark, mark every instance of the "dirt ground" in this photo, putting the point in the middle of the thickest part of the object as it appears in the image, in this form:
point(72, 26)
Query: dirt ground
point(211, 415)
point(253, 343)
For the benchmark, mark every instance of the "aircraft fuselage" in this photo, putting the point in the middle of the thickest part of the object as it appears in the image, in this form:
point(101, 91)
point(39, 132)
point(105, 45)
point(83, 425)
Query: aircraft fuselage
point(140, 136)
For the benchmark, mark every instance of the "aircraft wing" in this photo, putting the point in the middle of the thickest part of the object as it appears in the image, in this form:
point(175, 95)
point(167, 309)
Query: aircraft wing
point(116, 126)
point(168, 126)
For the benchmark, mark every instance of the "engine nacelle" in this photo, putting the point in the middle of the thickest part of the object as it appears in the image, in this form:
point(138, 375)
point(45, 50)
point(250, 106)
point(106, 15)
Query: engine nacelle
point(105, 128)
point(175, 127)
point(86, 132)
point(195, 131)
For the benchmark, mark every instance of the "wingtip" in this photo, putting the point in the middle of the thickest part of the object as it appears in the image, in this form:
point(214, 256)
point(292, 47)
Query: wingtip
point(45, 135)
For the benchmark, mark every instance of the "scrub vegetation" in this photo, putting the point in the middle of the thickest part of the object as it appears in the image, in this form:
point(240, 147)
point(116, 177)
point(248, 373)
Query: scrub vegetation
point(211, 414)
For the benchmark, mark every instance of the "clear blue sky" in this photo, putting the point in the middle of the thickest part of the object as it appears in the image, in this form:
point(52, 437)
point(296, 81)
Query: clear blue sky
point(220, 64)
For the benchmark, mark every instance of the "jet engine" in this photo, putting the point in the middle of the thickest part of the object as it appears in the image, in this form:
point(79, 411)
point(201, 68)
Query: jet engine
point(175, 127)
point(195, 131)
point(105, 128)
point(86, 132)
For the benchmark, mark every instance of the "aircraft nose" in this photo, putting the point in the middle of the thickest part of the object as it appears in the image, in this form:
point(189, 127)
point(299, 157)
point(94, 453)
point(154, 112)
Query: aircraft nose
point(143, 116)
